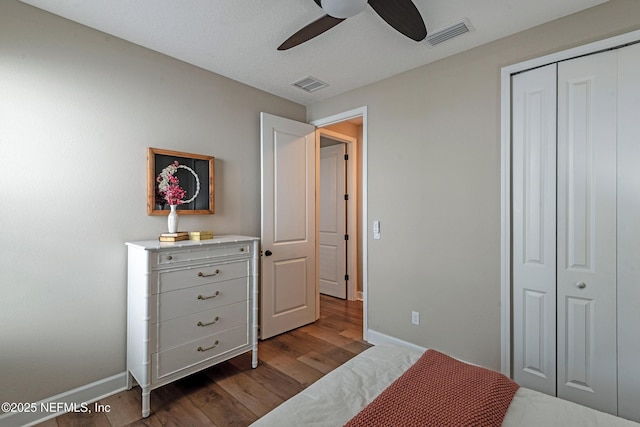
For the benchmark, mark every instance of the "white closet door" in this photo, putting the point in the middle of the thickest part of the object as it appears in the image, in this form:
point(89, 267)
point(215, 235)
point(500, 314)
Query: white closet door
point(587, 128)
point(534, 229)
point(629, 233)
point(333, 215)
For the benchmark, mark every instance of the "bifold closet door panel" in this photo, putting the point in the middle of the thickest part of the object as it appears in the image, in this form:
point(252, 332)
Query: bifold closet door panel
point(534, 228)
point(586, 271)
point(629, 233)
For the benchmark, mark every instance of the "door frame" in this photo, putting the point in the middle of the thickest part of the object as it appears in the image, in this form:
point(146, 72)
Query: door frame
point(352, 207)
point(362, 233)
point(505, 172)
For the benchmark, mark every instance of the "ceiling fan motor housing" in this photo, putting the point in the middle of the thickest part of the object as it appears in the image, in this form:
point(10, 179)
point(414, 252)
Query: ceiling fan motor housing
point(343, 8)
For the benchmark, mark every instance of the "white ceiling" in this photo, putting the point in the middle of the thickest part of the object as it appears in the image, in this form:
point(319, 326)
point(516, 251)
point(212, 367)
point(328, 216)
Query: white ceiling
point(239, 38)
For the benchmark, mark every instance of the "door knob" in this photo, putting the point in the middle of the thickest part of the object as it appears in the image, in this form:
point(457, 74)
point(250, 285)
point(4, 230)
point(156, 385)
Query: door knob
point(581, 285)
point(268, 253)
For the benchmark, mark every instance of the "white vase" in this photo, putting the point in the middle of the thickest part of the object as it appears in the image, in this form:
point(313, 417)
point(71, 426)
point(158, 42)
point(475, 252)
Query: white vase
point(172, 219)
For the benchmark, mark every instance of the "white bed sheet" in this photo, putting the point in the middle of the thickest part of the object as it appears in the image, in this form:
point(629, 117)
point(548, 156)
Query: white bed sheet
point(341, 394)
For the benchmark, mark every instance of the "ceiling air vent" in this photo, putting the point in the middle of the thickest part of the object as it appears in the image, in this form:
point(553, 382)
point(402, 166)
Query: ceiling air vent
point(310, 84)
point(448, 33)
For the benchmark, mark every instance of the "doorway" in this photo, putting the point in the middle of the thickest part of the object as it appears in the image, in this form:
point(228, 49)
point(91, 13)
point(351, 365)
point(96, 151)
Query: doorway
point(289, 279)
point(353, 124)
point(338, 211)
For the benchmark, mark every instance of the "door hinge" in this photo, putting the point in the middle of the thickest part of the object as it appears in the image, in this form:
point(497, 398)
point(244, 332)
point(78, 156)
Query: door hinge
point(346, 197)
point(346, 237)
point(346, 157)
point(346, 277)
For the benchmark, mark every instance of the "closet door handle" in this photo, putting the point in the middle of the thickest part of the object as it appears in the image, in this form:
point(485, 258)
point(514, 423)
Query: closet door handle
point(581, 285)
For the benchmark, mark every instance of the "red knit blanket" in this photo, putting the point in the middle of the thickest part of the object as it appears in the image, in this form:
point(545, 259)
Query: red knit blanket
point(441, 391)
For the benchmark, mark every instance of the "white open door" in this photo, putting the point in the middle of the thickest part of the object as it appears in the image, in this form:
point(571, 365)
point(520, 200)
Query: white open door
point(289, 292)
point(333, 215)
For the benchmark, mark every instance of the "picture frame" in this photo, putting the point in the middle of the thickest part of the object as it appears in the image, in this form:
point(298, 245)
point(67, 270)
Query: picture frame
point(195, 175)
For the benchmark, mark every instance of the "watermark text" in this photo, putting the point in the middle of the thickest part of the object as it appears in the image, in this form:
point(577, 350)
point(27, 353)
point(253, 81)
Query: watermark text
point(54, 407)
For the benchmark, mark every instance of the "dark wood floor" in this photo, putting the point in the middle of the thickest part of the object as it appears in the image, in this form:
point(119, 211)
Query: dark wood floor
point(233, 394)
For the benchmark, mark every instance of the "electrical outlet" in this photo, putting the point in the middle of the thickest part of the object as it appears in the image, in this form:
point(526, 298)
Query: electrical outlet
point(415, 317)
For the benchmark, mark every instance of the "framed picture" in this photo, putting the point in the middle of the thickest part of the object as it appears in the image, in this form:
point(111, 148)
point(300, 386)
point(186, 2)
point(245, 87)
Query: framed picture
point(193, 173)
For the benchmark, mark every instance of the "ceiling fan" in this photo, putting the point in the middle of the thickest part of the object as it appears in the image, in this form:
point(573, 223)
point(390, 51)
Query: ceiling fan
point(400, 14)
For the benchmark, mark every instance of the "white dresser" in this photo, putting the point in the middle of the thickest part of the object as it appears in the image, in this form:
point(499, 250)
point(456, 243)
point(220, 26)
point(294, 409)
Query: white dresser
point(191, 304)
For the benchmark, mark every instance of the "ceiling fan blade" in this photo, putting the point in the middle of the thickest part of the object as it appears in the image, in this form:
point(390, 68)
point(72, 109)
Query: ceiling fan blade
point(312, 30)
point(401, 15)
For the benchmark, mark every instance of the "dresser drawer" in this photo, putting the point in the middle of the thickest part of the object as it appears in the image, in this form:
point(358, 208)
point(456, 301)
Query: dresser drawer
point(199, 254)
point(171, 280)
point(200, 298)
point(170, 361)
point(182, 330)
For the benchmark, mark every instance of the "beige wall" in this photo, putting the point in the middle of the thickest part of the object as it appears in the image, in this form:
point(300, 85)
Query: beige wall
point(78, 109)
point(434, 183)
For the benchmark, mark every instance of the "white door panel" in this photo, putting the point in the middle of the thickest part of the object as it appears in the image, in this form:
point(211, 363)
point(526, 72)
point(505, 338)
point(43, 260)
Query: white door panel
point(332, 221)
point(629, 232)
point(289, 295)
point(534, 229)
point(288, 180)
point(587, 110)
point(291, 192)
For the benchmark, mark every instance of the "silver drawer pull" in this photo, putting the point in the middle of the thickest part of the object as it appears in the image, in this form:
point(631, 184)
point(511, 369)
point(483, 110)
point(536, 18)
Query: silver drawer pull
point(581, 285)
point(201, 274)
point(215, 344)
point(212, 296)
point(210, 323)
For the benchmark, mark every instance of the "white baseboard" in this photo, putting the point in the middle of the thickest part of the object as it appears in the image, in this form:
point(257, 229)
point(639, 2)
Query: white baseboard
point(79, 398)
point(375, 337)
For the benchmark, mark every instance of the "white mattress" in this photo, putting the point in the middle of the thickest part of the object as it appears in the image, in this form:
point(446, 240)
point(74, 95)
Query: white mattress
point(341, 394)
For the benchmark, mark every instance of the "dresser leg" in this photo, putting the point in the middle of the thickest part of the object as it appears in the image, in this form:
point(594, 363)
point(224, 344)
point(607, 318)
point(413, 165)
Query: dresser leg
point(146, 399)
point(254, 358)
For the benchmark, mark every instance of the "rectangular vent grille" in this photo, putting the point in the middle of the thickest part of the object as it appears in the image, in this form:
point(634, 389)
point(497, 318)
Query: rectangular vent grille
point(310, 84)
point(448, 33)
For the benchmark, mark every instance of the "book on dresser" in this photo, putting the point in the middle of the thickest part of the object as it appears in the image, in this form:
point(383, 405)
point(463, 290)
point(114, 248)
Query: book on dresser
point(189, 306)
point(174, 237)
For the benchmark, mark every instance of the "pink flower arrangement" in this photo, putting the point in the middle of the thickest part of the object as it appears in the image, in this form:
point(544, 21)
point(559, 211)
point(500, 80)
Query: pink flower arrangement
point(168, 185)
point(174, 193)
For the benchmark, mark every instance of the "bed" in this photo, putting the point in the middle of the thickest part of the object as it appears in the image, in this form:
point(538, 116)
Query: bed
point(345, 394)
